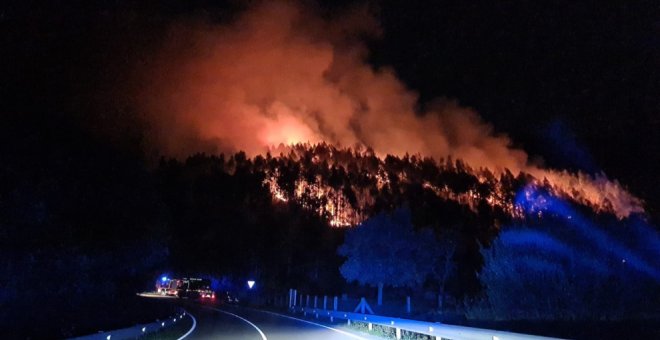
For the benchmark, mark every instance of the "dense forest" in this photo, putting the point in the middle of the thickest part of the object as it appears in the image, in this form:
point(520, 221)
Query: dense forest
point(316, 189)
point(86, 223)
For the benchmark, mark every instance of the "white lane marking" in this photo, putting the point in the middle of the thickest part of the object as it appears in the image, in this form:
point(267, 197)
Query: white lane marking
point(263, 336)
point(313, 323)
point(191, 328)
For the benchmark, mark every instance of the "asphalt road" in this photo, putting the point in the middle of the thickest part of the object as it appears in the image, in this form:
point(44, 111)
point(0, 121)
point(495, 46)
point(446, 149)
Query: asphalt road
point(227, 322)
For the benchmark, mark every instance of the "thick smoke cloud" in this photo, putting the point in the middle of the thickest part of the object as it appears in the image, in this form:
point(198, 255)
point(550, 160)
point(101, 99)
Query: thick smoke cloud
point(279, 73)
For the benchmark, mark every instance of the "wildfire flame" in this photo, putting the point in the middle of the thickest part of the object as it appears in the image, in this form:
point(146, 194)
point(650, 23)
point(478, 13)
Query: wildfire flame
point(483, 186)
point(281, 74)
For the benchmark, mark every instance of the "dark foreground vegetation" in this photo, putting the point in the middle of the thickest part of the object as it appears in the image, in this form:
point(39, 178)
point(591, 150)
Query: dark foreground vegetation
point(90, 215)
point(85, 225)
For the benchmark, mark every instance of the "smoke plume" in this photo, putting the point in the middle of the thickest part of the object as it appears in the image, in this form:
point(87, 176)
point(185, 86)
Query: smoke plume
point(281, 74)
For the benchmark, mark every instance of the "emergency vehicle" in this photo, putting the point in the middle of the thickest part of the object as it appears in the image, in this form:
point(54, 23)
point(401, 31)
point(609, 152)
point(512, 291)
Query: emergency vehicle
point(186, 287)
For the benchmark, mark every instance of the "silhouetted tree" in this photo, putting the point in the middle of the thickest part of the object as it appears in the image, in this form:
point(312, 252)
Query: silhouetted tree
point(385, 250)
point(553, 274)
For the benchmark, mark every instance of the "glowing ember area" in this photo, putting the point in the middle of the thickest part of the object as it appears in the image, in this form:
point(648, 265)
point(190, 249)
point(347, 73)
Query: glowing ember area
point(599, 193)
point(471, 198)
point(347, 186)
point(324, 200)
point(275, 190)
point(280, 74)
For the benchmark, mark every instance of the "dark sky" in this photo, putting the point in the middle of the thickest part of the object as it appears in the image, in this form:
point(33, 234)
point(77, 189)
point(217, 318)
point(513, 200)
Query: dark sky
point(574, 83)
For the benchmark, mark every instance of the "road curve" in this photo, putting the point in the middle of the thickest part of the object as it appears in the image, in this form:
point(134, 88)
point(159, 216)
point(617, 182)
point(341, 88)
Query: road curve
point(228, 322)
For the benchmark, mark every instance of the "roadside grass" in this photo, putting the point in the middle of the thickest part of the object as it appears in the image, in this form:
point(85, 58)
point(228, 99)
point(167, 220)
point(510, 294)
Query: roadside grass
point(386, 332)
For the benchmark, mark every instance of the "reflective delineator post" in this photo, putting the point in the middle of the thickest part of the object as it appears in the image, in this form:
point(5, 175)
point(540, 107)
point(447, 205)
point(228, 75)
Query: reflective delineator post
point(408, 304)
point(315, 299)
point(325, 302)
point(335, 303)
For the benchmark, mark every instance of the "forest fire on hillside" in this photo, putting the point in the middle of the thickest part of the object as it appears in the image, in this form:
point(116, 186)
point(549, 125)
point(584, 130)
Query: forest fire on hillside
point(346, 187)
point(324, 200)
point(281, 74)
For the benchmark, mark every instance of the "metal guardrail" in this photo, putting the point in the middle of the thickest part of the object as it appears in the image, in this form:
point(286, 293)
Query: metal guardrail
point(139, 330)
point(434, 330)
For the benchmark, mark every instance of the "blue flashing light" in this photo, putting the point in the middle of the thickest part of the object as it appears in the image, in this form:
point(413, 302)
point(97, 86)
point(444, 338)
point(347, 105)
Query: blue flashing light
point(164, 278)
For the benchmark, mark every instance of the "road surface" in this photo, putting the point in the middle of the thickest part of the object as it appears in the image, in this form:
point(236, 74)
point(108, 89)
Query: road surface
point(227, 322)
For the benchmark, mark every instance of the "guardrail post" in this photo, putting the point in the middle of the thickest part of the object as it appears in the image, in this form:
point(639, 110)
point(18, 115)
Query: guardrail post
point(315, 298)
point(408, 304)
point(325, 302)
point(307, 301)
point(371, 327)
point(335, 303)
point(398, 333)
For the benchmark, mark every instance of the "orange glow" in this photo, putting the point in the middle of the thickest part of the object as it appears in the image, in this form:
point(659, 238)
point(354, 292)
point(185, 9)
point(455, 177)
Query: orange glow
point(281, 74)
point(287, 130)
point(599, 193)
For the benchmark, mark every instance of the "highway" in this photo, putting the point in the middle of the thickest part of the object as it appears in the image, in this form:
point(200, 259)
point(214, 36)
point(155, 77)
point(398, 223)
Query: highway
point(228, 322)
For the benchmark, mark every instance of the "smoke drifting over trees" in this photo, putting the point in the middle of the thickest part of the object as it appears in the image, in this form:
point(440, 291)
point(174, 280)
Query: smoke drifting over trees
point(94, 93)
point(281, 74)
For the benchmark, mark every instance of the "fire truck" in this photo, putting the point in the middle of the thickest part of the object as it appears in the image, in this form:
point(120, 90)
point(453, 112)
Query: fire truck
point(186, 287)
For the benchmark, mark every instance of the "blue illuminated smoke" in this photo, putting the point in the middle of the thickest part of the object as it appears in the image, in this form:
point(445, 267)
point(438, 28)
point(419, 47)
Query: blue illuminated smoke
point(569, 233)
point(542, 245)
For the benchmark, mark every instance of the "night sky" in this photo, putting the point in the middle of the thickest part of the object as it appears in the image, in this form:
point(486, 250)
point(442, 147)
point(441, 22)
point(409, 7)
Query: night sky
point(574, 84)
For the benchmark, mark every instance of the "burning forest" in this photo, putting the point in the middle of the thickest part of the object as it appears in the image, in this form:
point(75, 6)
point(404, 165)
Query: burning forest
point(282, 74)
point(463, 157)
point(345, 186)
